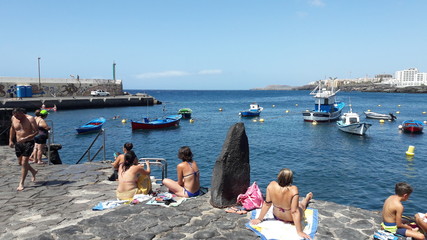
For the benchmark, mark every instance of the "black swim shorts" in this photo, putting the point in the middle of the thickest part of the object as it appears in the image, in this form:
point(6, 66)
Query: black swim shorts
point(24, 149)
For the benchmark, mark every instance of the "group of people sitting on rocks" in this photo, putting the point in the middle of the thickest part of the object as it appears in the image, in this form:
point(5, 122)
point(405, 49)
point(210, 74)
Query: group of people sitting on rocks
point(134, 178)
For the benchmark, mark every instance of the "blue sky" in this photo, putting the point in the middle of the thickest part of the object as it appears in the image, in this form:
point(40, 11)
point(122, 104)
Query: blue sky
point(206, 44)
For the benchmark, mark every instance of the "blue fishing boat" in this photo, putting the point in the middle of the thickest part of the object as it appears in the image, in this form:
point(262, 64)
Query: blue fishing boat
point(92, 126)
point(326, 108)
point(169, 121)
point(253, 111)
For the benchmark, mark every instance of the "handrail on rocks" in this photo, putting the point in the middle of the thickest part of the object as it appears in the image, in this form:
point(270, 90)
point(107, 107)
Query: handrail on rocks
point(161, 162)
point(101, 132)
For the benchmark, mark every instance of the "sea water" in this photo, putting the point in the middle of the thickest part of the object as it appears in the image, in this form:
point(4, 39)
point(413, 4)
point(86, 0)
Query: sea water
point(347, 169)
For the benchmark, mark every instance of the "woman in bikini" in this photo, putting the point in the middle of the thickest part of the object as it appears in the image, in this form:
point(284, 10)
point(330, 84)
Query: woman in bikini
point(285, 200)
point(188, 184)
point(129, 175)
point(41, 138)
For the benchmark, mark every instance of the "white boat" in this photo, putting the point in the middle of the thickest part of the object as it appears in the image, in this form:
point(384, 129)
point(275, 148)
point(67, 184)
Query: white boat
point(326, 108)
point(375, 115)
point(350, 123)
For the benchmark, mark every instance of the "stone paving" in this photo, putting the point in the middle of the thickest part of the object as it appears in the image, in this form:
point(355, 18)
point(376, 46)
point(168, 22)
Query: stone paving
point(59, 206)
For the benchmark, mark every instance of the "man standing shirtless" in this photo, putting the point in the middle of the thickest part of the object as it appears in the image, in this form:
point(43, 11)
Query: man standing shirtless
point(22, 133)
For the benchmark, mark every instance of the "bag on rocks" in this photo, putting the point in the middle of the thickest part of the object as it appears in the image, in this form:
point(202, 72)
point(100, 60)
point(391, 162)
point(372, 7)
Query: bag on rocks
point(252, 198)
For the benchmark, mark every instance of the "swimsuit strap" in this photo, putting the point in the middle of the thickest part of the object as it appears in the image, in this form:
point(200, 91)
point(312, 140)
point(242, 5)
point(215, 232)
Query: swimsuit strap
point(194, 172)
point(284, 209)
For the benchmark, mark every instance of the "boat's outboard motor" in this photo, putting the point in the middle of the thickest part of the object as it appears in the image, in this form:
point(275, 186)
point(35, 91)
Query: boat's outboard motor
point(392, 117)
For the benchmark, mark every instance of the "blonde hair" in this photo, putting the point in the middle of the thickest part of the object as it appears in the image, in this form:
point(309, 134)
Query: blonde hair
point(285, 177)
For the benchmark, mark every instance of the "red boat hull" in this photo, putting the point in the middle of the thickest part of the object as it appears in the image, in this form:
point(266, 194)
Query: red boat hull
point(141, 125)
point(412, 129)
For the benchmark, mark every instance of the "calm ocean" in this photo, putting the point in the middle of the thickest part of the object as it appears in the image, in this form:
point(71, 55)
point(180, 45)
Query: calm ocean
point(352, 170)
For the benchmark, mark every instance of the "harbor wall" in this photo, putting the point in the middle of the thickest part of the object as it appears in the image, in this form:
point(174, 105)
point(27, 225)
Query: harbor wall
point(57, 87)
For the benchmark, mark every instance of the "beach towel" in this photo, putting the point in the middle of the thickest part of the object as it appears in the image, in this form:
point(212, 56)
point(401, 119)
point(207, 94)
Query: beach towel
point(108, 204)
point(137, 198)
point(275, 229)
point(166, 200)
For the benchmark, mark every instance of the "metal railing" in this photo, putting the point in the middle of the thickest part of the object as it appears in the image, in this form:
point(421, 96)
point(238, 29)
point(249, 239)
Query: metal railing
point(87, 152)
point(160, 162)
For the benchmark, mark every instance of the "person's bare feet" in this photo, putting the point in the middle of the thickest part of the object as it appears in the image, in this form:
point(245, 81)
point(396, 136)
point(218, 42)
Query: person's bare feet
point(20, 188)
point(34, 175)
point(307, 199)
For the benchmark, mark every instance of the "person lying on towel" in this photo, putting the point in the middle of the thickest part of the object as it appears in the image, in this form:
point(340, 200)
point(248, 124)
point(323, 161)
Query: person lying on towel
point(133, 179)
point(393, 210)
point(188, 173)
point(286, 206)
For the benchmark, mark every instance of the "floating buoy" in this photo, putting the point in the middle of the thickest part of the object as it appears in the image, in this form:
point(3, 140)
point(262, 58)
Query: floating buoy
point(410, 151)
point(220, 109)
point(398, 112)
point(379, 105)
point(261, 120)
point(307, 110)
point(254, 120)
point(296, 104)
point(381, 120)
point(314, 122)
point(369, 110)
point(398, 105)
point(424, 112)
point(287, 111)
point(425, 122)
point(400, 127)
point(274, 105)
point(123, 120)
point(191, 120)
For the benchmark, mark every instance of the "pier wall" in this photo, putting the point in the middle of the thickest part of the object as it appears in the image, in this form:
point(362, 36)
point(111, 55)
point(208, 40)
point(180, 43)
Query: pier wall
point(58, 87)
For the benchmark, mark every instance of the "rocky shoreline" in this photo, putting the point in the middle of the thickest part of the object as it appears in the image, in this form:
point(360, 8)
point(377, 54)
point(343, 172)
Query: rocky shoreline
point(59, 206)
point(355, 87)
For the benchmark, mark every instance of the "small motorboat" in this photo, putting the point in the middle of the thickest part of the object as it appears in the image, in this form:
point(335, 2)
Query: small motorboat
point(92, 126)
point(412, 126)
point(375, 115)
point(49, 109)
point(253, 111)
point(185, 113)
point(169, 121)
point(350, 123)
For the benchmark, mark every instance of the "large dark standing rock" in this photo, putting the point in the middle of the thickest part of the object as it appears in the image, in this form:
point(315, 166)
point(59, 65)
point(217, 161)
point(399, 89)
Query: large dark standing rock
point(231, 174)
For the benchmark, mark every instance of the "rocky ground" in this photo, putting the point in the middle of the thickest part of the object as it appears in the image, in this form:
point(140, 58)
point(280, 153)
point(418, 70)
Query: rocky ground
point(59, 206)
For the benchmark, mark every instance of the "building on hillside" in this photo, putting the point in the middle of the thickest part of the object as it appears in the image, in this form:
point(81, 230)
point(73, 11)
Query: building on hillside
point(410, 77)
point(57, 87)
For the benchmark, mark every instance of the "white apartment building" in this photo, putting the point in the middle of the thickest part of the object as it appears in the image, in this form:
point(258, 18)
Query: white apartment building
point(410, 77)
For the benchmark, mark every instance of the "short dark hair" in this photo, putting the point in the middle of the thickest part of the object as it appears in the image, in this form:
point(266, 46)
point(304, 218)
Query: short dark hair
point(19, 110)
point(128, 146)
point(402, 188)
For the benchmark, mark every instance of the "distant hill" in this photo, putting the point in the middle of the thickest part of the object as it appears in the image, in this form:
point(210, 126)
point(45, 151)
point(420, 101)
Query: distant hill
point(275, 87)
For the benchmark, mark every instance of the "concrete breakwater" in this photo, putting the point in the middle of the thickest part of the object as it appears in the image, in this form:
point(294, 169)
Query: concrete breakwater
point(79, 102)
point(58, 206)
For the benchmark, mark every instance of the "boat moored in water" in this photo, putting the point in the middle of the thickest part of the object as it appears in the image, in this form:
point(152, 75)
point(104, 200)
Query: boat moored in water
point(326, 108)
point(169, 121)
point(185, 113)
point(412, 126)
point(375, 115)
point(350, 123)
point(92, 126)
point(253, 111)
